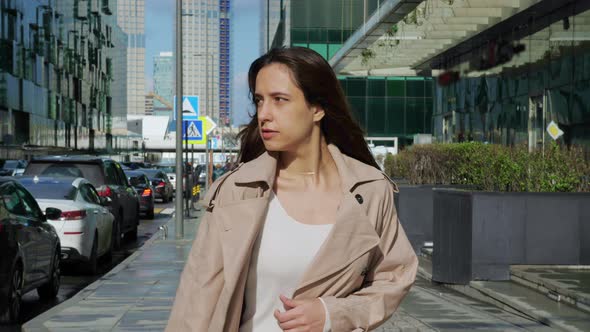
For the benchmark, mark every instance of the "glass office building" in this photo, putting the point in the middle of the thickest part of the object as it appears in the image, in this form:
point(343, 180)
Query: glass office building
point(131, 18)
point(384, 106)
point(500, 71)
point(56, 72)
point(514, 102)
point(164, 80)
point(206, 58)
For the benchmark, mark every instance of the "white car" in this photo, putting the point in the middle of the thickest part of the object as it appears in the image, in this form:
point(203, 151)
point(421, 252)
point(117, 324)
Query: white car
point(85, 225)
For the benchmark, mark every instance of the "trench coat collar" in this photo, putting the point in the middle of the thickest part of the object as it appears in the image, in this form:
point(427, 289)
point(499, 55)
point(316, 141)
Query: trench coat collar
point(352, 171)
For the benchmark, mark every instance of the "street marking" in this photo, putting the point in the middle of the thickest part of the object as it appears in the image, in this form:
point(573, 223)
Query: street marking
point(158, 210)
point(167, 211)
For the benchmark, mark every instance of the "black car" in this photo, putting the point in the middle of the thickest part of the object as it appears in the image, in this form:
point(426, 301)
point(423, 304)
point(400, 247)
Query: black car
point(144, 189)
point(108, 178)
point(161, 183)
point(30, 249)
point(12, 167)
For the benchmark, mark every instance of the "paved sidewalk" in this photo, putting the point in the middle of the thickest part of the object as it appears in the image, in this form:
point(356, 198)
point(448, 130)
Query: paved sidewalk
point(138, 294)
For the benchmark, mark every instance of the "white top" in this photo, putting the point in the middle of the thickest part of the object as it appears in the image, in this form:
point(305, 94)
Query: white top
point(281, 255)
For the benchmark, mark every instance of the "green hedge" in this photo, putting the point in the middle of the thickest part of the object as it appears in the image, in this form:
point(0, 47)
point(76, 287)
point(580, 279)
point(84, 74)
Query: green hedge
point(493, 167)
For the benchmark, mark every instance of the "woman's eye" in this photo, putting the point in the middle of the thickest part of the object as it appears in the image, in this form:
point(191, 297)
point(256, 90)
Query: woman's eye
point(280, 99)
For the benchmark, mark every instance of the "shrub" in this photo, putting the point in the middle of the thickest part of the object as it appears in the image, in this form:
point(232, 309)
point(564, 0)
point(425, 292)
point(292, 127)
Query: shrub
point(493, 167)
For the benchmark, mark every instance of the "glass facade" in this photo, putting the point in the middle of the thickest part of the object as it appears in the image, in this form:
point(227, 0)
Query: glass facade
point(56, 73)
point(513, 103)
point(224, 60)
point(205, 42)
point(163, 80)
point(131, 18)
point(391, 106)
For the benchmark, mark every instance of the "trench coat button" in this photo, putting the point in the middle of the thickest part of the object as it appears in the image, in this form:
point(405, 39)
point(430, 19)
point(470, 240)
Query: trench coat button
point(359, 198)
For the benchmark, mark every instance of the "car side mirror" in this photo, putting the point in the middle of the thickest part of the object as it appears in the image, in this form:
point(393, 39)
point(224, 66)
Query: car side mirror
point(52, 213)
point(105, 201)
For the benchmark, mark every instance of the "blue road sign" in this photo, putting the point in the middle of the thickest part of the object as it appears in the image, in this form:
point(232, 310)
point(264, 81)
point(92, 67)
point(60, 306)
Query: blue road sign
point(190, 108)
point(192, 131)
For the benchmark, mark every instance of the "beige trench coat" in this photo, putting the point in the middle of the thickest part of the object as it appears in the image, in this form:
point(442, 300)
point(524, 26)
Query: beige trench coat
point(362, 271)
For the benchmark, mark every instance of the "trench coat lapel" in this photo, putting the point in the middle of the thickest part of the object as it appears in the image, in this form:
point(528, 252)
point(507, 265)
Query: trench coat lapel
point(353, 234)
point(242, 220)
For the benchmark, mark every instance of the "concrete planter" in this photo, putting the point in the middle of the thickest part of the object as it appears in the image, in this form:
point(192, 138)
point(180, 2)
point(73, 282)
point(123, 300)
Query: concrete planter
point(478, 235)
point(414, 204)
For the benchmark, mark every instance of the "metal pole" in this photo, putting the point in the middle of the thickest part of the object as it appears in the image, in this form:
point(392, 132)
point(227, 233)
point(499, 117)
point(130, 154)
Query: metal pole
point(206, 112)
point(178, 219)
point(186, 181)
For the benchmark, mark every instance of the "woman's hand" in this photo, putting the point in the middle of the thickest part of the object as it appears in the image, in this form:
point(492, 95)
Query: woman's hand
point(301, 315)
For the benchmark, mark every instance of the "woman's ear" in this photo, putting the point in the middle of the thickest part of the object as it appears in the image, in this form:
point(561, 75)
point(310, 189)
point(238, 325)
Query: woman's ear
point(318, 113)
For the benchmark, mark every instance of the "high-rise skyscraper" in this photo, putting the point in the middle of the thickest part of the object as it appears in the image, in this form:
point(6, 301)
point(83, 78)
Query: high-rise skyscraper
point(205, 42)
point(164, 79)
point(131, 18)
point(273, 19)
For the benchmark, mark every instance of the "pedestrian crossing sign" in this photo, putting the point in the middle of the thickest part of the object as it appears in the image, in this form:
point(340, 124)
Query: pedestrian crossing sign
point(192, 132)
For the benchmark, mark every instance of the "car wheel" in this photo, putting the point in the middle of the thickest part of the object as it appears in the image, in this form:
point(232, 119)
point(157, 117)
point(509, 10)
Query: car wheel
point(92, 265)
point(108, 256)
point(132, 234)
point(50, 290)
point(150, 214)
point(15, 290)
point(116, 241)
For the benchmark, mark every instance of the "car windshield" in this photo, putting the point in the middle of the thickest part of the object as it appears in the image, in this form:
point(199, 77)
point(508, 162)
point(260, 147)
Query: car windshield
point(10, 164)
point(167, 169)
point(151, 173)
point(51, 190)
point(137, 181)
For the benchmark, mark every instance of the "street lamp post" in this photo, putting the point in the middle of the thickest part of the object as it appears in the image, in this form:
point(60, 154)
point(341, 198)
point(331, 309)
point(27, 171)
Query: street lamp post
point(178, 221)
point(208, 102)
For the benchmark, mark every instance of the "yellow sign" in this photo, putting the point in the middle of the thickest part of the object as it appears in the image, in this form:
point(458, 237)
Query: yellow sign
point(196, 190)
point(554, 130)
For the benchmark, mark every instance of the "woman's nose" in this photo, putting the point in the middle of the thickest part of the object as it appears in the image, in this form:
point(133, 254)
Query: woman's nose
point(264, 112)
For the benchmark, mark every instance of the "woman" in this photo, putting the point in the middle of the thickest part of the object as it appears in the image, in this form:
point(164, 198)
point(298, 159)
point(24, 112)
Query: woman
point(303, 235)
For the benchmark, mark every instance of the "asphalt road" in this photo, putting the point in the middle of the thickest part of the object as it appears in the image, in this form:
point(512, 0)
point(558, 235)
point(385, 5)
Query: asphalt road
point(72, 280)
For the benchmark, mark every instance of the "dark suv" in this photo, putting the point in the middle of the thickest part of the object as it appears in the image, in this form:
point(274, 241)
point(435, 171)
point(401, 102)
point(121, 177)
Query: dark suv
point(108, 178)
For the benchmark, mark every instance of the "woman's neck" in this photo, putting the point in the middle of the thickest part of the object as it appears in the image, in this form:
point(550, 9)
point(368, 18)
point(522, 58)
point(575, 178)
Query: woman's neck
point(309, 162)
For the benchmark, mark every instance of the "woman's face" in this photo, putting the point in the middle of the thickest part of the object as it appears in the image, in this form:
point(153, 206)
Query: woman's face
point(285, 120)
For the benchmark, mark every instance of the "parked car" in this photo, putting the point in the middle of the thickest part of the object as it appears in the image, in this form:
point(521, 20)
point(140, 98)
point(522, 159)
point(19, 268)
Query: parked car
point(12, 167)
point(136, 164)
point(159, 180)
point(170, 171)
point(85, 226)
point(30, 249)
point(109, 180)
point(145, 190)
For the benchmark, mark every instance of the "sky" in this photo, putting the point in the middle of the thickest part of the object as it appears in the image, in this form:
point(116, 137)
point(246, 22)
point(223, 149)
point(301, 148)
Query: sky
point(244, 46)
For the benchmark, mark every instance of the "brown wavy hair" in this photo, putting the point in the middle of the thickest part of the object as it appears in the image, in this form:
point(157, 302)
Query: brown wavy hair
point(314, 76)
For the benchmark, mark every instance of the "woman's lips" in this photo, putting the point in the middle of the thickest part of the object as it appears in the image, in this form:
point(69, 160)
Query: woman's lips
point(268, 134)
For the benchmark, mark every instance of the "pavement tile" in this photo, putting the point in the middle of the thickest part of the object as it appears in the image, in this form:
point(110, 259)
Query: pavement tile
point(144, 318)
point(122, 290)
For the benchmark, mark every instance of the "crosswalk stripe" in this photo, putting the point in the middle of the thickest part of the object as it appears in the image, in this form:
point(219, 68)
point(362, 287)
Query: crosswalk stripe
point(167, 211)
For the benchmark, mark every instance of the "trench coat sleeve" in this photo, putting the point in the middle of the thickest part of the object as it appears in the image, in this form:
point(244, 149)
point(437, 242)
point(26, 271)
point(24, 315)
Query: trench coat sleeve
point(201, 281)
point(387, 282)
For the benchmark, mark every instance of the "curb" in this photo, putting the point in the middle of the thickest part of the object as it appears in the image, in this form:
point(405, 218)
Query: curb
point(489, 296)
point(551, 290)
point(82, 294)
